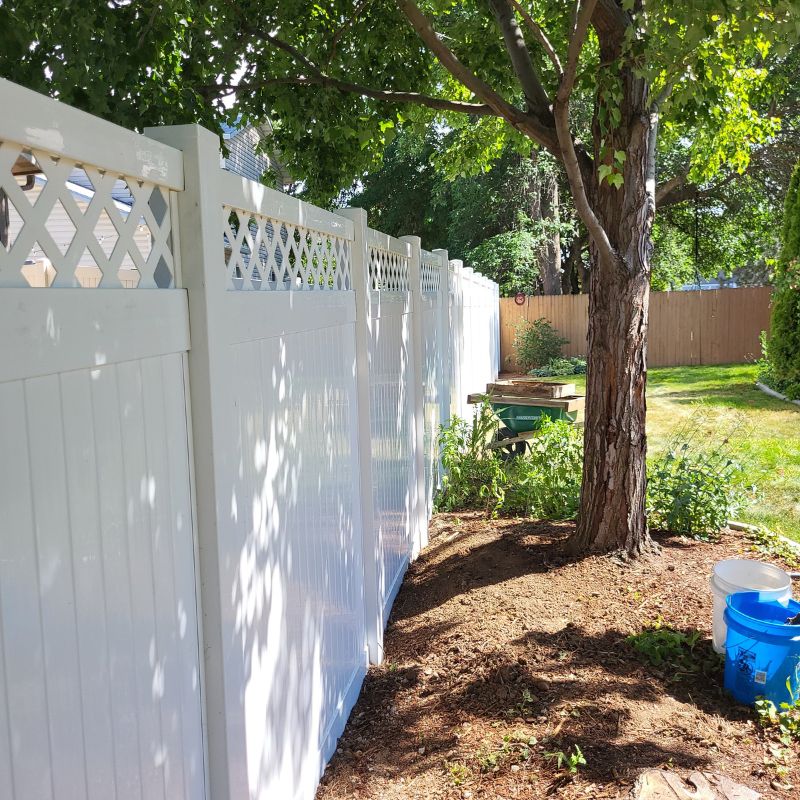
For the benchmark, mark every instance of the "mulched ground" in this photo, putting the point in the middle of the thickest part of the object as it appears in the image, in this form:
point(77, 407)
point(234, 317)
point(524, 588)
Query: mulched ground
point(500, 651)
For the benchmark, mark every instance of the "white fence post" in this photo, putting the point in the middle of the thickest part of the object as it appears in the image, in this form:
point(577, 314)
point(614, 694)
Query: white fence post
point(417, 394)
point(371, 553)
point(457, 338)
point(203, 276)
point(445, 339)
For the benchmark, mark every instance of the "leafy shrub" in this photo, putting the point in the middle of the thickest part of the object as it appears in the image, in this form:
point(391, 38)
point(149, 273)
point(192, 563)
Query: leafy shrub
point(779, 365)
point(473, 474)
point(782, 358)
point(543, 483)
point(546, 481)
point(561, 366)
point(693, 489)
point(536, 343)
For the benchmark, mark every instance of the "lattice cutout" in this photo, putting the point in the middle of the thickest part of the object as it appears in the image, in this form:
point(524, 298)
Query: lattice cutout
point(70, 224)
point(388, 271)
point(430, 274)
point(266, 254)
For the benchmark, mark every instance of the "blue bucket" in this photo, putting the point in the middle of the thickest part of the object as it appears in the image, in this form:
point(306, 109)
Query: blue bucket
point(762, 652)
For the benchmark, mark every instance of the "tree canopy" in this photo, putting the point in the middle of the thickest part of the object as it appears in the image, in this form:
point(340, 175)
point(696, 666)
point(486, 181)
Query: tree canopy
point(339, 77)
point(633, 98)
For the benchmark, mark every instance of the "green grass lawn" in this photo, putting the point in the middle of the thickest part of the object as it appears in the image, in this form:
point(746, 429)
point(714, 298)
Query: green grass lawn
point(767, 441)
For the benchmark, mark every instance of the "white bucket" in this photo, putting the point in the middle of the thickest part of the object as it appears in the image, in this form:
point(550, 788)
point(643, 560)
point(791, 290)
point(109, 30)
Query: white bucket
point(744, 575)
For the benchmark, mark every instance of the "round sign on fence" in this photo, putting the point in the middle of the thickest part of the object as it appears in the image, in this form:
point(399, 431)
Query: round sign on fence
point(519, 298)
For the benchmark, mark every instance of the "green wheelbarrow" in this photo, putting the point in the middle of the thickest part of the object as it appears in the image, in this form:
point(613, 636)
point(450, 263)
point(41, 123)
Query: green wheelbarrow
point(521, 417)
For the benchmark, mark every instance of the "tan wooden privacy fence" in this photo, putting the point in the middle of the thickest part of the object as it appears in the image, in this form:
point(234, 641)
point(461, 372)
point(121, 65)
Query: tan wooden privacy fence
point(686, 328)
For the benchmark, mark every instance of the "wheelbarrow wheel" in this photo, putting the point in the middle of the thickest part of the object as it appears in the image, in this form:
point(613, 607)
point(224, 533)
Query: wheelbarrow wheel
point(512, 449)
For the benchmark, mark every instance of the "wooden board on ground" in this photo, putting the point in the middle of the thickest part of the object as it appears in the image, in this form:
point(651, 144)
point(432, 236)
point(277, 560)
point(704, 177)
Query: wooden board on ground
point(573, 403)
point(527, 387)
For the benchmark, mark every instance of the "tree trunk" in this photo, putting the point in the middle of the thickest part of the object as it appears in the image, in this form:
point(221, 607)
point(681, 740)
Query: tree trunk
point(575, 277)
point(612, 510)
point(550, 254)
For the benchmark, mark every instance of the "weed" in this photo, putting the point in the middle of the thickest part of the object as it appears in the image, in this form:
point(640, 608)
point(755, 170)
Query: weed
point(569, 762)
point(693, 489)
point(680, 654)
point(459, 773)
point(546, 481)
point(784, 720)
point(490, 760)
point(543, 483)
point(770, 544)
point(525, 707)
point(473, 474)
point(515, 749)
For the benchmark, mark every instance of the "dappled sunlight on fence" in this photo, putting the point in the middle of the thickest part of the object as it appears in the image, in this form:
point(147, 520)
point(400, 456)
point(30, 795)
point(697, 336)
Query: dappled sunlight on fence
point(257, 433)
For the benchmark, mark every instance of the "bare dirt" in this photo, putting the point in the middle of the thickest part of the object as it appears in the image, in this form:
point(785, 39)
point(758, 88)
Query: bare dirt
point(501, 651)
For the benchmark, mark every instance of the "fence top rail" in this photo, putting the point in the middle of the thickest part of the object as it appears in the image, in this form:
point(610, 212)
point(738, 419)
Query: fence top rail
point(427, 257)
point(390, 244)
point(40, 123)
point(245, 195)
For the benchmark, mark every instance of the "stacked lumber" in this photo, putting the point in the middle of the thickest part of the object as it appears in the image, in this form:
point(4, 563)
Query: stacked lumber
point(531, 392)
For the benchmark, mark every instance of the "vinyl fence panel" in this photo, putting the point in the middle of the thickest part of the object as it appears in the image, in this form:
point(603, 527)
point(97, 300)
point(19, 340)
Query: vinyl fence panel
point(275, 420)
point(240, 462)
point(99, 646)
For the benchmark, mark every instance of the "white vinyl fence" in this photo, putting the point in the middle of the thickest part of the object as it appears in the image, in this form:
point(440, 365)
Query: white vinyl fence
point(218, 436)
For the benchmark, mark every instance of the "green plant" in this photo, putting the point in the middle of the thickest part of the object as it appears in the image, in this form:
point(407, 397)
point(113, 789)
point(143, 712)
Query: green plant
point(546, 481)
point(473, 475)
point(525, 707)
point(459, 773)
point(679, 653)
point(783, 719)
point(491, 759)
point(569, 762)
point(694, 489)
point(557, 367)
point(769, 543)
point(782, 356)
point(536, 343)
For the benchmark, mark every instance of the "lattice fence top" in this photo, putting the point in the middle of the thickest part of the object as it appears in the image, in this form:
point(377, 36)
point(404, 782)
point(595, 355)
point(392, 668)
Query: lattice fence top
point(69, 224)
point(262, 253)
point(388, 270)
point(430, 273)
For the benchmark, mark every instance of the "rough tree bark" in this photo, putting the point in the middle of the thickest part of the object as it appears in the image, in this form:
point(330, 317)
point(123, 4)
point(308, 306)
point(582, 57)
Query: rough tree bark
point(619, 222)
point(612, 511)
point(550, 253)
point(575, 276)
point(543, 208)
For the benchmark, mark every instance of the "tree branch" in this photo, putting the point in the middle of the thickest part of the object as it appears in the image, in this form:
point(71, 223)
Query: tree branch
point(535, 94)
point(675, 182)
point(344, 27)
point(385, 95)
point(540, 35)
point(683, 191)
point(582, 18)
point(529, 124)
